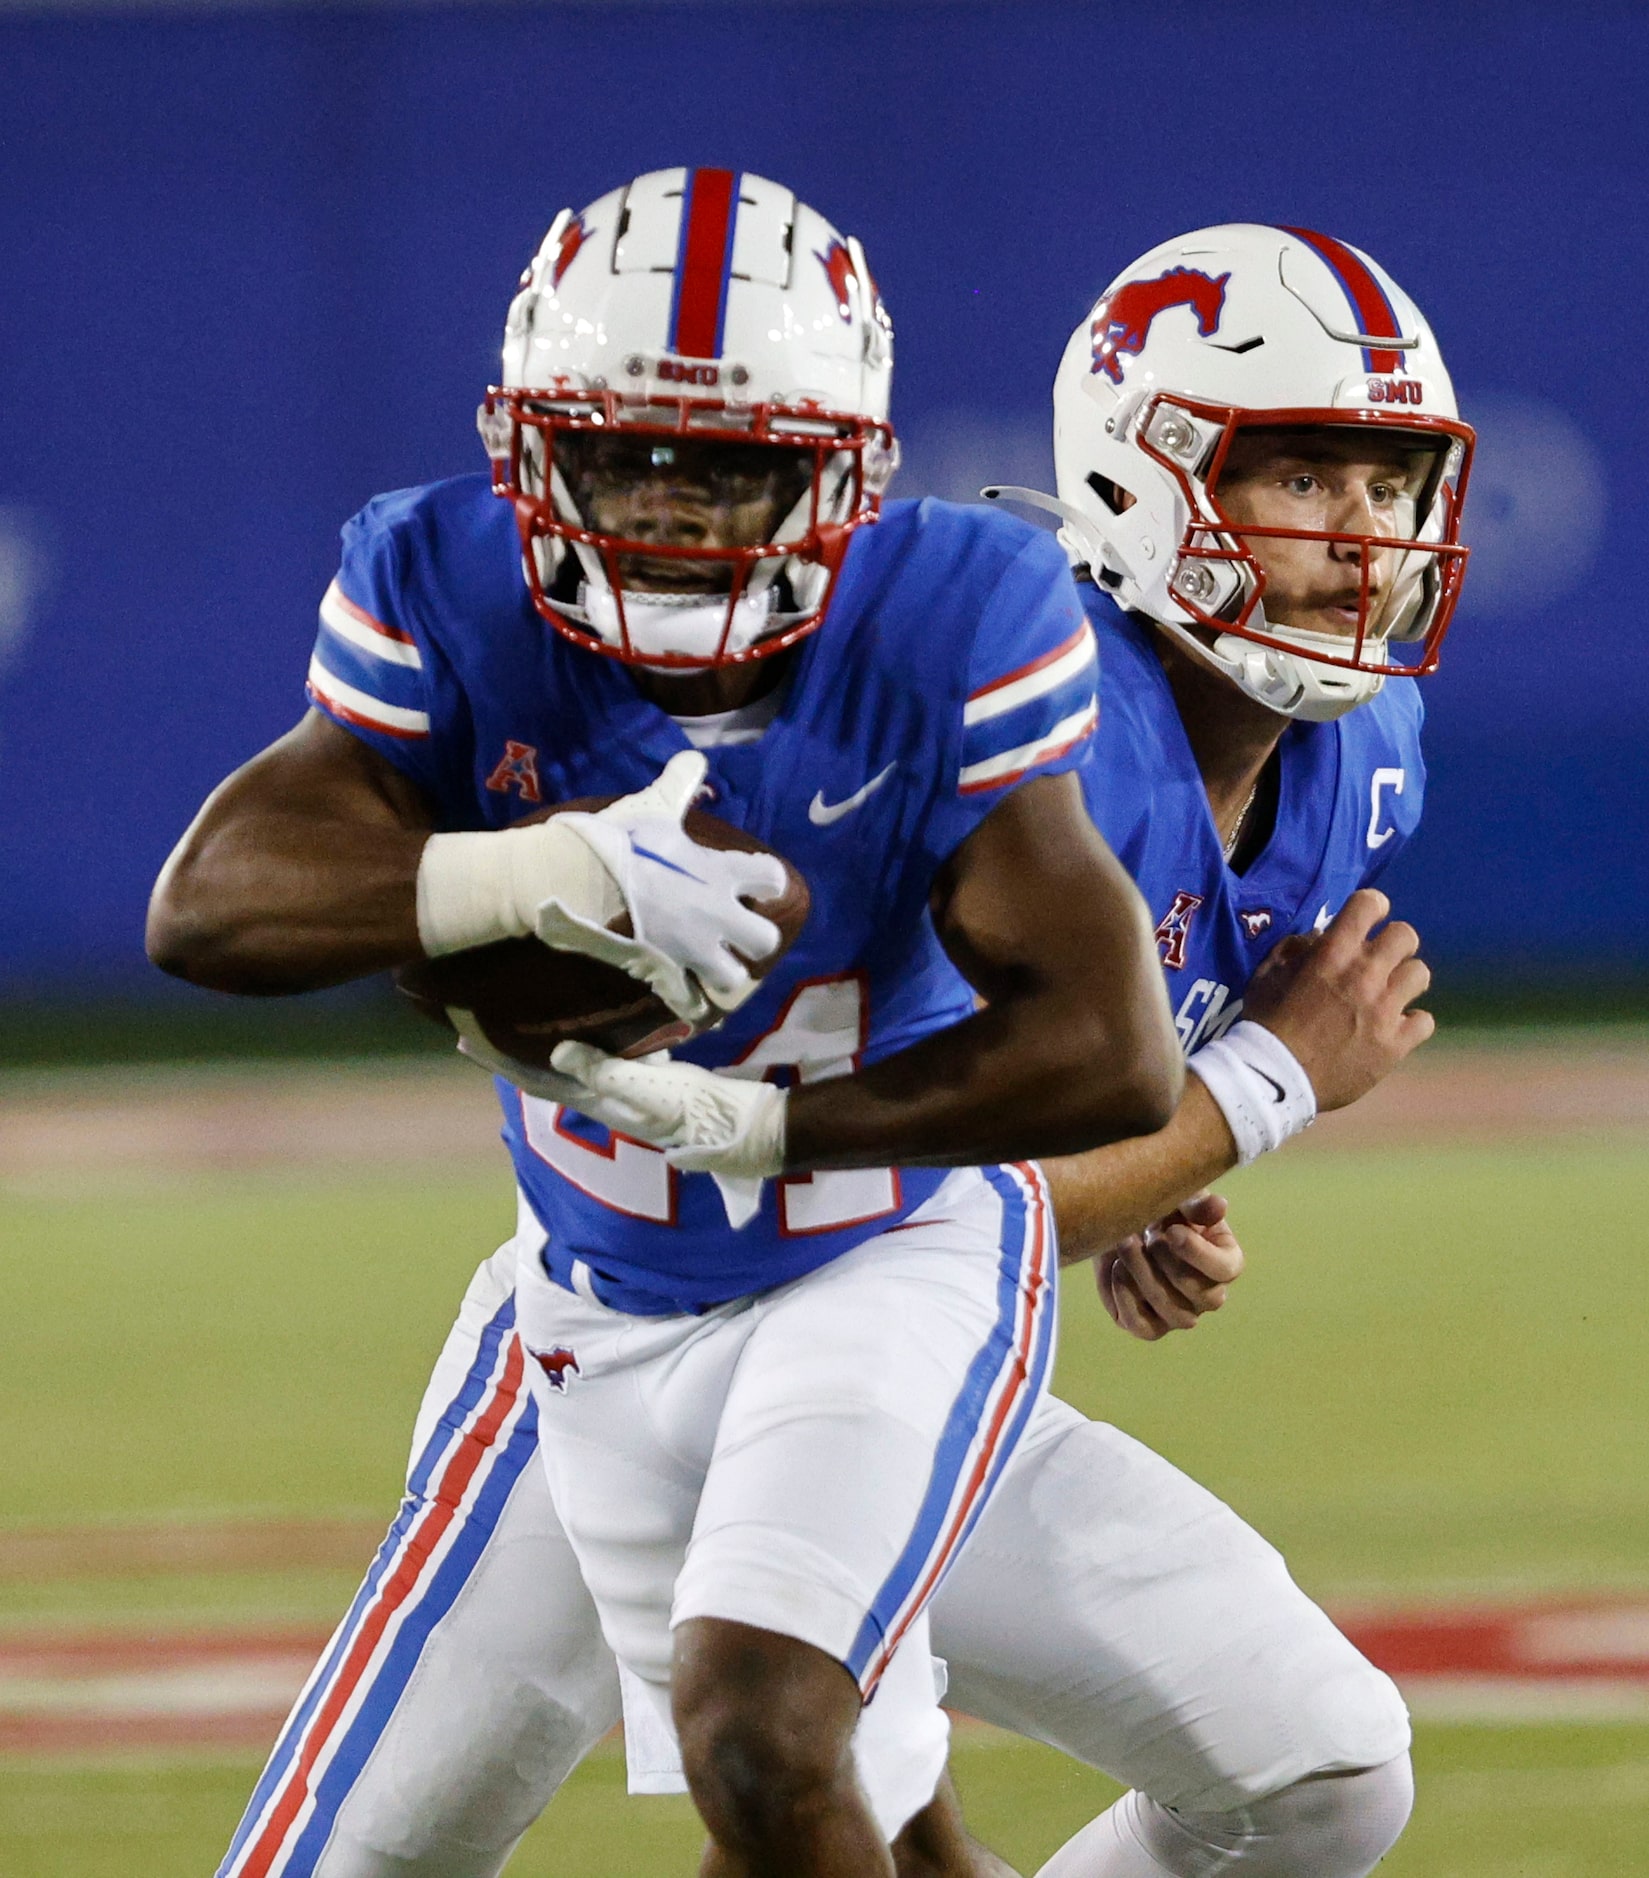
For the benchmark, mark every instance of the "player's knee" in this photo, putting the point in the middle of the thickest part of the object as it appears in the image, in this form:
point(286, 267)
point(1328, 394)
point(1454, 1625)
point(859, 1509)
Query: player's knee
point(1327, 1826)
point(765, 1725)
point(758, 1773)
point(1364, 1813)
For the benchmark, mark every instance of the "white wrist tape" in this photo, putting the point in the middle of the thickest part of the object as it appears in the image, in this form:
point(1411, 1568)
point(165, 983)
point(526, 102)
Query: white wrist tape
point(475, 888)
point(1259, 1086)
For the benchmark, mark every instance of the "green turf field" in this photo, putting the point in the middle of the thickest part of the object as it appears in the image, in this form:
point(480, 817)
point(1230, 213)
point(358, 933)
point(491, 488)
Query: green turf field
point(1430, 1380)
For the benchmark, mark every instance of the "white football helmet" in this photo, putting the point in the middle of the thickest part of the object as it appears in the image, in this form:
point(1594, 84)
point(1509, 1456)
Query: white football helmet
point(1258, 327)
point(707, 305)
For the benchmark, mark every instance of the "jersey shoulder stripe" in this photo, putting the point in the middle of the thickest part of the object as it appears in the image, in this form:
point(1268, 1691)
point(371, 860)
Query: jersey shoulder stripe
point(351, 705)
point(347, 621)
point(1009, 766)
point(365, 672)
point(392, 683)
point(1030, 715)
point(1034, 680)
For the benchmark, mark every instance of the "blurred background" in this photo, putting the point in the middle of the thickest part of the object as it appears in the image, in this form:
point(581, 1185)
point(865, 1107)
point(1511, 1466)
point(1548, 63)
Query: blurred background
point(254, 261)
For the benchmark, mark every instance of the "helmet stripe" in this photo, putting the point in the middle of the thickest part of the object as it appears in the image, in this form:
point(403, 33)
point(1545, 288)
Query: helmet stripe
point(1374, 312)
point(703, 261)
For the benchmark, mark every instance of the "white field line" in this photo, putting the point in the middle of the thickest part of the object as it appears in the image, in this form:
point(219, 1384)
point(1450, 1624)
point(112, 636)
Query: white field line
point(252, 1685)
point(1533, 1703)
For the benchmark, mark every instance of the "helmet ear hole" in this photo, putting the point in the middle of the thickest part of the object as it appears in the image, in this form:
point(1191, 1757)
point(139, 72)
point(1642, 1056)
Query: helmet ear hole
point(1117, 499)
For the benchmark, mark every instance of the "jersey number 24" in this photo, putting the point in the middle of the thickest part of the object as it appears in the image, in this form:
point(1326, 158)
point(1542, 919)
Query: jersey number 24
point(819, 1033)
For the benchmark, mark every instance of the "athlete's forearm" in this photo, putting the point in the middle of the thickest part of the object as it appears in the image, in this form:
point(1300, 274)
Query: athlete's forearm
point(1010, 1083)
point(1075, 1046)
point(1101, 1198)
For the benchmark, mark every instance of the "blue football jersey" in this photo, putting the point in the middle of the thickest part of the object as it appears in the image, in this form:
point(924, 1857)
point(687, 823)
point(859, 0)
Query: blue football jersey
point(955, 661)
point(1350, 799)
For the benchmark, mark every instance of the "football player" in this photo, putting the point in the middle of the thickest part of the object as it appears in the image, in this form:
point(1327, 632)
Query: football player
point(788, 1350)
point(1260, 469)
point(1105, 1603)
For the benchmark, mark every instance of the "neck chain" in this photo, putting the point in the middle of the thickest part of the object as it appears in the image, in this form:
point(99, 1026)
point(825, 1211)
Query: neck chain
point(1235, 836)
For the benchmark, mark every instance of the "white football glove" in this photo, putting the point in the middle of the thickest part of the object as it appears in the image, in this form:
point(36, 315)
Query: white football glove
point(686, 902)
point(730, 1129)
point(566, 879)
point(567, 1090)
point(706, 1123)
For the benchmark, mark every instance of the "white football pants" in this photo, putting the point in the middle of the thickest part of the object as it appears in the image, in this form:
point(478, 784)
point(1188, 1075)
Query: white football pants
point(1104, 1604)
point(807, 1461)
point(1334, 1826)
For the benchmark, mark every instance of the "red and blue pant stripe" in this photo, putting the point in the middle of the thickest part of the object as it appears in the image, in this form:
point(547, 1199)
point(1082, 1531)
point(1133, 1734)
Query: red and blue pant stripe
point(989, 1415)
point(455, 1497)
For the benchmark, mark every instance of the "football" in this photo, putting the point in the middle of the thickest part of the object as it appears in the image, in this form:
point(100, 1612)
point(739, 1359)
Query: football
point(527, 998)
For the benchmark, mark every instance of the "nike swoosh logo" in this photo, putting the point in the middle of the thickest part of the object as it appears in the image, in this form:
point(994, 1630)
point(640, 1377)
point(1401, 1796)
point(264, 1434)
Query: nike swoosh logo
point(647, 854)
point(821, 813)
point(1282, 1094)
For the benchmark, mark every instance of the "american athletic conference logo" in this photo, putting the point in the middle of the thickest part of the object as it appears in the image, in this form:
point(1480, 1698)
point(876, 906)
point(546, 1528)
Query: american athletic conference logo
point(1174, 929)
point(517, 770)
point(1122, 321)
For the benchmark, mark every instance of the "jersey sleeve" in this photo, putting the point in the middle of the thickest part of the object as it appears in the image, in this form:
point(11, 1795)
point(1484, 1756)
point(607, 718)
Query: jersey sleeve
point(370, 670)
point(1032, 688)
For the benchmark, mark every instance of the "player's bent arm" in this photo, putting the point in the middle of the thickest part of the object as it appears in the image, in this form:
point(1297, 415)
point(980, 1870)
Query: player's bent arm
point(1075, 1046)
point(316, 863)
point(1103, 1197)
point(299, 871)
point(1337, 1005)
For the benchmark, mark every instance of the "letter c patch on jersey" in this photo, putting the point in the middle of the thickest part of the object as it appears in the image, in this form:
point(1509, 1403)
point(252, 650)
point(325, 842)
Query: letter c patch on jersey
point(1382, 780)
point(518, 770)
point(1175, 927)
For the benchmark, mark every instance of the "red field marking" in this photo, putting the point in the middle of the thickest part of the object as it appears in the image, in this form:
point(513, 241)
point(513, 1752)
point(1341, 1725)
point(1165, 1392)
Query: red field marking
point(42, 1553)
point(90, 1125)
point(1545, 1641)
point(110, 1692)
point(1485, 1094)
point(1582, 1659)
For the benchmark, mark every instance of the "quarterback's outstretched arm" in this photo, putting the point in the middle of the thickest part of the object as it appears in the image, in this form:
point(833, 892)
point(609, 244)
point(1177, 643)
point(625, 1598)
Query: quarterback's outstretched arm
point(1340, 1003)
point(298, 872)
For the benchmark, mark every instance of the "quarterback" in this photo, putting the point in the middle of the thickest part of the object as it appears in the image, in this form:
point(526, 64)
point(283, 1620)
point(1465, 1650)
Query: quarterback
point(790, 1322)
point(1267, 405)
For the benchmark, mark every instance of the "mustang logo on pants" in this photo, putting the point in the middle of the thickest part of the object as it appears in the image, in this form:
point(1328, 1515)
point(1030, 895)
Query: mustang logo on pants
point(559, 1365)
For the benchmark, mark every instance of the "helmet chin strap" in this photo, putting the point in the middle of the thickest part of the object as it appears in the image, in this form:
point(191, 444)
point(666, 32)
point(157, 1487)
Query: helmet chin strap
point(662, 625)
point(1293, 684)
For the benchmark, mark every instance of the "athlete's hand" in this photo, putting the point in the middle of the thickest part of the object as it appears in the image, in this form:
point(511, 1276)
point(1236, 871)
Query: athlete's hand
point(692, 930)
point(705, 1123)
point(1173, 1273)
point(543, 1083)
point(1340, 999)
point(570, 879)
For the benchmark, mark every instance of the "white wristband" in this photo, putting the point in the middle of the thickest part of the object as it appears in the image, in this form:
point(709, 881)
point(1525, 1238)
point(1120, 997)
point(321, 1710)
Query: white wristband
point(1259, 1086)
point(475, 888)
